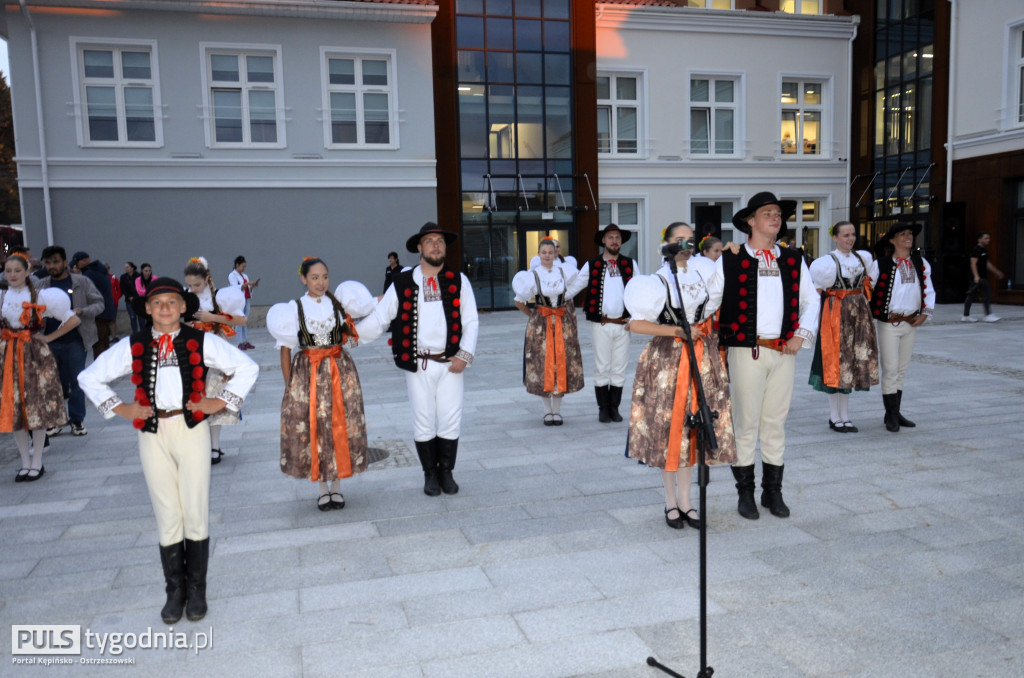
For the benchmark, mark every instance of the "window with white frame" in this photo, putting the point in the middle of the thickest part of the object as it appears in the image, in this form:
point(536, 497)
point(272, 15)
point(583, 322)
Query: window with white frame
point(243, 96)
point(800, 6)
point(1017, 74)
point(713, 115)
point(618, 114)
point(359, 97)
point(118, 94)
point(804, 228)
point(802, 116)
point(626, 215)
point(710, 4)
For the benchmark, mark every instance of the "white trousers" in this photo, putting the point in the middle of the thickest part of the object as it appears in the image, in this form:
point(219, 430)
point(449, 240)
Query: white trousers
point(176, 464)
point(895, 348)
point(436, 398)
point(611, 353)
point(760, 391)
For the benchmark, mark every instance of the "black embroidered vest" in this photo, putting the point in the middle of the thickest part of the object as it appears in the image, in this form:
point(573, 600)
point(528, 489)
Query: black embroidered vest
point(339, 333)
point(188, 347)
point(595, 287)
point(881, 295)
point(406, 323)
point(737, 323)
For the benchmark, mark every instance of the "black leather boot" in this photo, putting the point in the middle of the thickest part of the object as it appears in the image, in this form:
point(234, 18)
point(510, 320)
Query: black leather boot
point(899, 415)
point(771, 490)
point(447, 450)
point(197, 555)
point(744, 476)
point(892, 421)
point(427, 450)
point(173, 560)
point(614, 399)
point(602, 404)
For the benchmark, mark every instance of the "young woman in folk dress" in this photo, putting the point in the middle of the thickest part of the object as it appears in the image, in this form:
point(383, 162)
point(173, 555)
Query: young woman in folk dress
point(220, 311)
point(31, 398)
point(663, 388)
point(310, 331)
point(552, 363)
point(846, 352)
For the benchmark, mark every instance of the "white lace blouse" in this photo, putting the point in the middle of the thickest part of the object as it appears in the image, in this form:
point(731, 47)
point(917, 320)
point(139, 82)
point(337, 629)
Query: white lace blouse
point(283, 318)
point(57, 302)
point(701, 283)
point(552, 284)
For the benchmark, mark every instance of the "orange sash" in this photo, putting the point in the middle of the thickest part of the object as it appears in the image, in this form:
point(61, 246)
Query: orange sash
point(555, 380)
point(15, 344)
point(225, 330)
point(339, 427)
point(831, 314)
point(679, 405)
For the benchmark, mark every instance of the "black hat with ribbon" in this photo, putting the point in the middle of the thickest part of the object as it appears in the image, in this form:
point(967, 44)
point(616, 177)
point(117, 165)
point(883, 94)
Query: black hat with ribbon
point(427, 229)
point(166, 286)
point(884, 245)
point(739, 220)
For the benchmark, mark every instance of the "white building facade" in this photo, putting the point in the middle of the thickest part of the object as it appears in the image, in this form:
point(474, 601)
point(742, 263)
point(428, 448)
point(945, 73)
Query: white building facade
point(162, 130)
point(703, 107)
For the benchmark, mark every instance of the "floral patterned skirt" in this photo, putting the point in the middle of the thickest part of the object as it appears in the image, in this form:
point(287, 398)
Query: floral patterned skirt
point(296, 456)
point(44, 399)
point(215, 380)
point(535, 350)
point(858, 348)
point(654, 392)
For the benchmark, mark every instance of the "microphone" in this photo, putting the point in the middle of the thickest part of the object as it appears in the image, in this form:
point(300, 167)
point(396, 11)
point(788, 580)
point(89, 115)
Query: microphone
point(671, 249)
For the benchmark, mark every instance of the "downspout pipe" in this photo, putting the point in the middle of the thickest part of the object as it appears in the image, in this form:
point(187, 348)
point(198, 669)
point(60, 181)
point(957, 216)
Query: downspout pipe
point(951, 105)
point(43, 162)
point(849, 108)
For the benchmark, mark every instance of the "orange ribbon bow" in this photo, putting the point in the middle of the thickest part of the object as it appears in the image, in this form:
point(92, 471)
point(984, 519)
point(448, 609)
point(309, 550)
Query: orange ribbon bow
point(679, 408)
point(555, 380)
point(339, 426)
point(15, 350)
point(26, 314)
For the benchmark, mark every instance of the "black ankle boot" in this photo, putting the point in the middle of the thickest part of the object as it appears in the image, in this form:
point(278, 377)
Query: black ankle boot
point(899, 415)
point(602, 404)
point(427, 450)
point(197, 555)
point(614, 398)
point(173, 560)
point(771, 490)
point(447, 450)
point(744, 476)
point(892, 421)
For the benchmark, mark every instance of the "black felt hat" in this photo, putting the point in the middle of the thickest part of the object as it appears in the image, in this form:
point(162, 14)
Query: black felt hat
point(611, 228)
point(426, 229)
point(166, 286)
point(883, 247)
point(739, 220)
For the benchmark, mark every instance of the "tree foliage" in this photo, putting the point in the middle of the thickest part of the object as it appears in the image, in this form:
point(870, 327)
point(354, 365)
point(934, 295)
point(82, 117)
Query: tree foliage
point(10, 204)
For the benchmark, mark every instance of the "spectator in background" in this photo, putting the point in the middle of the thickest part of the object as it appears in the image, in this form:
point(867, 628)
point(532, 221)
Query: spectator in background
point(238, 278)
point(980, 266)
point(130, 293)
point(393, 268)
point(144, 280)
point(97, 273)
point(115, 291)
point(71, 349)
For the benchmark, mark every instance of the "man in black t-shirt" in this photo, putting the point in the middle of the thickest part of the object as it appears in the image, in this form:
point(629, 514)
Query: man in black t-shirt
point(980, 266)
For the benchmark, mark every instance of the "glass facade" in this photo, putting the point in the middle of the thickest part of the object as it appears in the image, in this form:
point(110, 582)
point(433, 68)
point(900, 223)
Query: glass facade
point(515, 136)
point(904, 51)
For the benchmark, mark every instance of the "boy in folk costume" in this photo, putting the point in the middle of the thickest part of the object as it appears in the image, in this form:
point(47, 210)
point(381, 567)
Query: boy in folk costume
point(769, 312)
point(169, 365)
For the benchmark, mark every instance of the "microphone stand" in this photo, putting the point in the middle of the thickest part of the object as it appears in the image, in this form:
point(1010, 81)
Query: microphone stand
point(703, 422)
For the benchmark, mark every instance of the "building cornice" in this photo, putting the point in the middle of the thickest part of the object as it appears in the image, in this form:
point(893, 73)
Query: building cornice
point(989, 138)
point(393, 12)
point(733, 22)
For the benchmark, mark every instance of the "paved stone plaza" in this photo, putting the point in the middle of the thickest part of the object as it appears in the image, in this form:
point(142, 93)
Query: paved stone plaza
point(904, 555)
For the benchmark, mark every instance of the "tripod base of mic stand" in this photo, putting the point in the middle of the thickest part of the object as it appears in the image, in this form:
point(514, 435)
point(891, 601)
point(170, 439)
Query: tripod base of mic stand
point(704, 673)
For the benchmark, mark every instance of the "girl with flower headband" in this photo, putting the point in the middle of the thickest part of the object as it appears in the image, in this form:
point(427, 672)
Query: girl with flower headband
point(220, 311)
point(663, 392)
point(552, 362)
point(31, 397)
point(846, 351)
point(169, 363)
point(710, 247)
point(323, 428)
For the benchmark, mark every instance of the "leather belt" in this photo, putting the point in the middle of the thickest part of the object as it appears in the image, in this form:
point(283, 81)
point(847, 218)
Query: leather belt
point(167, 414)
point(436, 357)
point(896, 318)
point(773, 344)
point(615, 321)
